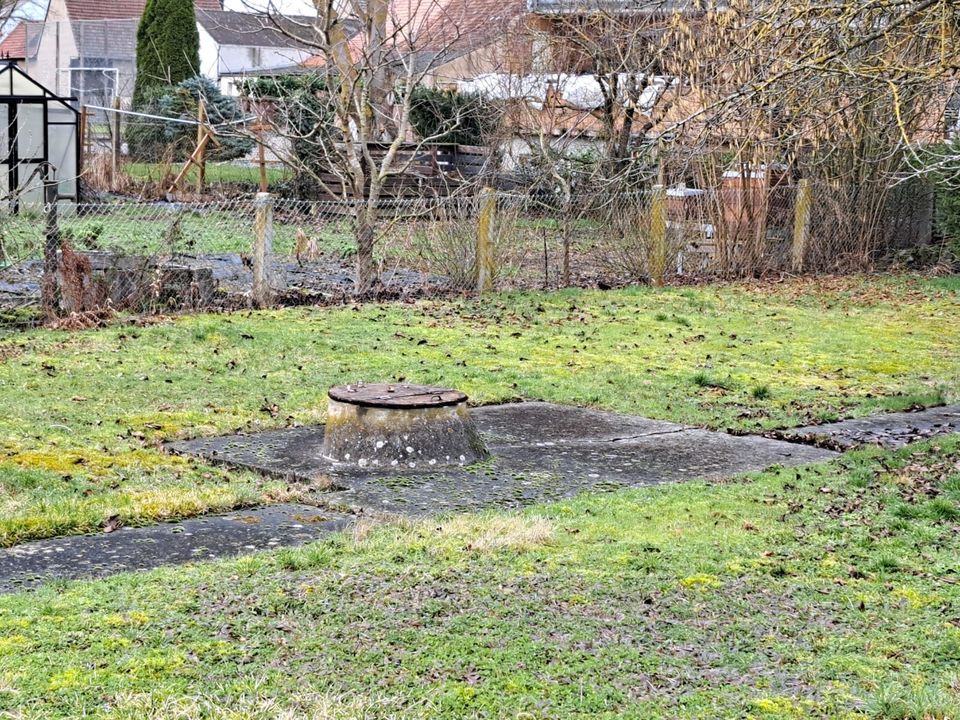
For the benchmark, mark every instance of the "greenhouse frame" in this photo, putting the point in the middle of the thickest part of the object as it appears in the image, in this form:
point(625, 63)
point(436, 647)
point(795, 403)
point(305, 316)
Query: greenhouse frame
point(38, 140)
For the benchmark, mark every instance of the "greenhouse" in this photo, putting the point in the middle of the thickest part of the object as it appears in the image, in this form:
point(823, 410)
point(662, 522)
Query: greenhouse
point(38, 140)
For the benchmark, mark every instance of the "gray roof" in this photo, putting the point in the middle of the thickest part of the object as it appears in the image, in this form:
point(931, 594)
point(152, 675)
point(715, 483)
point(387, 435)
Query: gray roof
point(259, 29)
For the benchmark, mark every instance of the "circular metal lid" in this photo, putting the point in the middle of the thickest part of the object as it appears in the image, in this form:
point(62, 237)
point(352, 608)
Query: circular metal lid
point(397, 395)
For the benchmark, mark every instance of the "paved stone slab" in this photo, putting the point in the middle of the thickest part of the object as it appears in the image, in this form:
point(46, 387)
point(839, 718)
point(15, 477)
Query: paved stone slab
point(889, 430)
point(540, 422)
point(292, 454)
point(205, 538)
point(523, 475)
point(539, 452)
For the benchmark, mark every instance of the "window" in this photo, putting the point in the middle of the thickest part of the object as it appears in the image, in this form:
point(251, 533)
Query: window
point(94, 82)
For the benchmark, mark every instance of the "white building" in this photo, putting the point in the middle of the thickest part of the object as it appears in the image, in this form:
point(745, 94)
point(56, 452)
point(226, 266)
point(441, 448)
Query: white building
point(234, 44)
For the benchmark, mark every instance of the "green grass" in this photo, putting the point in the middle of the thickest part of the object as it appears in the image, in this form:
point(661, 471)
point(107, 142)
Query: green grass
point(82, 414)
point(795, 593)
point(216, 173)
point(162, 229)
point(219, 228)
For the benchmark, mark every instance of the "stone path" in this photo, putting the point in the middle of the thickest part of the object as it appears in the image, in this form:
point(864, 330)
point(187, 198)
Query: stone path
point(205, 538)
point(540, 452)
point(889, 430)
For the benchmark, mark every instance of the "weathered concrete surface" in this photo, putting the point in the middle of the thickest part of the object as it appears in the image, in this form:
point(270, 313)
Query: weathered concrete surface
point(889, 430)
point(205, 538)
point(539, 452)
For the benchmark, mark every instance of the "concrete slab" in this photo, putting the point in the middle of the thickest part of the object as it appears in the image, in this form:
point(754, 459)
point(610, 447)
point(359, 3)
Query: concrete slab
point(204, 538)
point(888, 430)
point(539, 452)
point(540, 422)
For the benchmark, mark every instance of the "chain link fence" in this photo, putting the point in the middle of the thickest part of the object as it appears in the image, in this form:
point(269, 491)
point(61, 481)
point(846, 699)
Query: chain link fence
point(165, 257)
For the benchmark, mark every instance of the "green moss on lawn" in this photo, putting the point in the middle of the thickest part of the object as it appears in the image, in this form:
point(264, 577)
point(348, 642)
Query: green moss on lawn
point(87, 411)
point(789, 594)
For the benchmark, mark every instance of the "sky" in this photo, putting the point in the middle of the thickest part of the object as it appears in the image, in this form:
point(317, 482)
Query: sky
point(285, 7)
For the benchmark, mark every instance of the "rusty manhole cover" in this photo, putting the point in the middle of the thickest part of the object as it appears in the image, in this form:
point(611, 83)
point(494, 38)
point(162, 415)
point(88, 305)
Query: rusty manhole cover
point(396, 396)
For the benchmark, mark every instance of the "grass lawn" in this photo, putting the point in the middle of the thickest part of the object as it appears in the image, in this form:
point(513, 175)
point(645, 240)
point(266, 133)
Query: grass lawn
point(820, 592)
point(82, 414)
point(220, 227)
point(827, 591)
point(216, 173)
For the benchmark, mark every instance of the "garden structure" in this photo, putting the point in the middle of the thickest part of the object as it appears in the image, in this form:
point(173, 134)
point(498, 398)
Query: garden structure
point(38, 140)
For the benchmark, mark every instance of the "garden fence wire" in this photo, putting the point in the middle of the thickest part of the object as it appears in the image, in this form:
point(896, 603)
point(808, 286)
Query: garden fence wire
point(163, 257)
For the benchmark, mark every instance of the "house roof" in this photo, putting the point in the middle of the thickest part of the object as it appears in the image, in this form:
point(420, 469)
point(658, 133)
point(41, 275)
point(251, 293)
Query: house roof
point(439, 31)
point(14, 45)
point(467, 24)
point(119, 9)
point(259, 29)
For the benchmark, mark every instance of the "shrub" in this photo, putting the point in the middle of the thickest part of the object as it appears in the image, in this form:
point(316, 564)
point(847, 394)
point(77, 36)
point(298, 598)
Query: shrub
point(947, 187)
point(306, 116)
point(451, 117)
point(150, 141)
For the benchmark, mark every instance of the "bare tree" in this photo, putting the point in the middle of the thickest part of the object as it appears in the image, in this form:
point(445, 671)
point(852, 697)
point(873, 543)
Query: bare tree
point(838, 92)
point(352, 132)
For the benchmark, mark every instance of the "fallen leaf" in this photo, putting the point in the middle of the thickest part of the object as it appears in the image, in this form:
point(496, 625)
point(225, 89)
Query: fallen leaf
point(112, 523)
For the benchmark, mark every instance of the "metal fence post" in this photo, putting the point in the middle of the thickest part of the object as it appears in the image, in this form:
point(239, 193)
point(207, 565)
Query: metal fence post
point(262, 249)
point(486, 223)
point(658, 235)
point(49, 289)
point(801, 224)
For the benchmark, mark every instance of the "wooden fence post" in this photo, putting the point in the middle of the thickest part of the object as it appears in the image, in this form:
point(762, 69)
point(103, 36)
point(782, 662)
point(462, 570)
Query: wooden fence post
point(657, 253)
point(201, 160)
point(262, 249)
point(261, 154)
point(486, 224)
point(49, 288)
point(801, 224)
point(115, 145)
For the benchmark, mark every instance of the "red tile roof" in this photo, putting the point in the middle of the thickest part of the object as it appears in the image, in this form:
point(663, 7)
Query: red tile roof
point(467, 24)
point(14, 45)
point(445, 27)
point(119, 9)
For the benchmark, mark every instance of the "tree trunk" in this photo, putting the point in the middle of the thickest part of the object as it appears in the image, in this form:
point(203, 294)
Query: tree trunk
point(364, 231)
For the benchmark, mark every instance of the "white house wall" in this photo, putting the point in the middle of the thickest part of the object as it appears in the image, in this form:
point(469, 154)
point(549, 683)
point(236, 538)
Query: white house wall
point(235, 59)
point(56, 43)
point(209, 54)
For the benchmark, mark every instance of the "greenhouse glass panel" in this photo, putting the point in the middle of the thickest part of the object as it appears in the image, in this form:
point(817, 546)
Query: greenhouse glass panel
point(22, 85)
point(63, 155)
point(30, 189)
point(58, 112)
point(30, 126)
point(4, 131)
